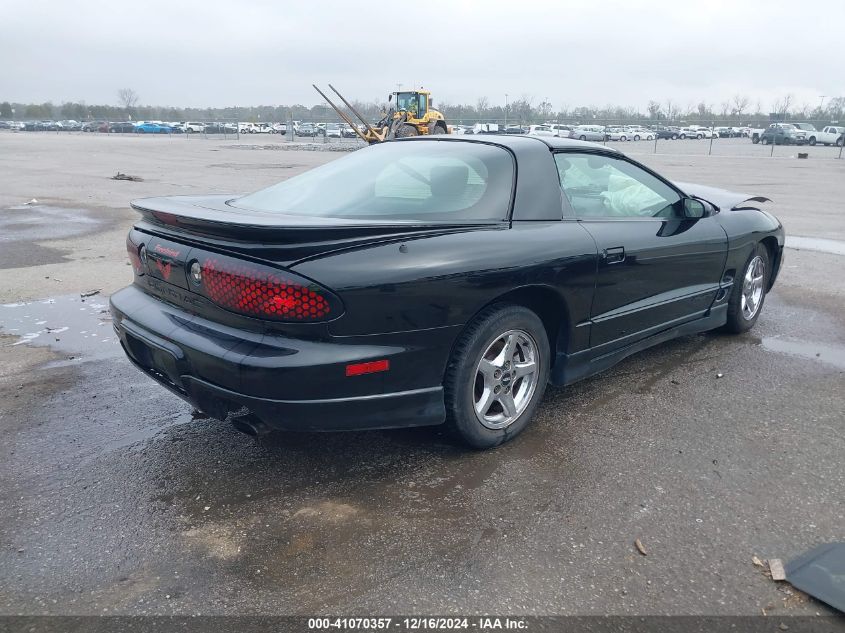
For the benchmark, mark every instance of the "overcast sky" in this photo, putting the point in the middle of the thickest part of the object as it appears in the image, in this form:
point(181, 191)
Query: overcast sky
point(260, 52)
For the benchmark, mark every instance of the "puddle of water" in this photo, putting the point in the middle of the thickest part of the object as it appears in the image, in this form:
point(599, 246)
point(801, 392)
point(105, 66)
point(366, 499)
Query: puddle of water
point(43, 222)
point(834, 247)
point(80, 328)
point(822, 352)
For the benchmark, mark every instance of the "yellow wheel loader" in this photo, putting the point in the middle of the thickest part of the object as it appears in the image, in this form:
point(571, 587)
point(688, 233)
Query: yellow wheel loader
point(408, 114)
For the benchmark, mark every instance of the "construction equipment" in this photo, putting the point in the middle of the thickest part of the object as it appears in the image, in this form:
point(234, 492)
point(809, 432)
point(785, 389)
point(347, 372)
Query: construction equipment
point(408, 114)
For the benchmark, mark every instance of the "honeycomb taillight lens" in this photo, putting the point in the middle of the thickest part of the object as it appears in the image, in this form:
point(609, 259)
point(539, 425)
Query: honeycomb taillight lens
point(264, 292)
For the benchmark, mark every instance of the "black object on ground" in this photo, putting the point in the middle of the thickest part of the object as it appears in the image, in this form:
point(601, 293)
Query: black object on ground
point(821, 573)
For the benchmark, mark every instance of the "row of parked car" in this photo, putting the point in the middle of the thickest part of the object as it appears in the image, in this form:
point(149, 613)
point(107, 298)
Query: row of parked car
point(607, 133)
point(184, 127)
point(799, 134)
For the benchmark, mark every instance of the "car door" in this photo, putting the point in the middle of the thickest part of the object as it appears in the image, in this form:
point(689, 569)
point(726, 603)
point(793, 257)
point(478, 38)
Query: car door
point(656, 267)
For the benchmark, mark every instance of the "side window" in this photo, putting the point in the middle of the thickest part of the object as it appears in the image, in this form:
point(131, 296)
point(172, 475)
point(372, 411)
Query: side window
point(604, 186)
point(423, 104)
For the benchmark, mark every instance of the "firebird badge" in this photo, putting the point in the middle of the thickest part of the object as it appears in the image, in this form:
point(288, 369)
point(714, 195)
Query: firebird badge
point(164, 269)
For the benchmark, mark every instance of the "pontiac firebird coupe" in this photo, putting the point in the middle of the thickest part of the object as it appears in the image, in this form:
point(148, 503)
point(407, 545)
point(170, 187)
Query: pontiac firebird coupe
point(431, 280)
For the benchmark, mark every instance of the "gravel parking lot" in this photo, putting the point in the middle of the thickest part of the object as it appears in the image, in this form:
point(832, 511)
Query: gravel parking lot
point(115, 499)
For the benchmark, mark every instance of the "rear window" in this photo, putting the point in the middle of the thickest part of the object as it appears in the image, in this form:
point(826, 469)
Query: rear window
point(432, 181)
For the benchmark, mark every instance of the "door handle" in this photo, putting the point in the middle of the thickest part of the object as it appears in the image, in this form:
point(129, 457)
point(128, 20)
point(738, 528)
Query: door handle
point(614, 255)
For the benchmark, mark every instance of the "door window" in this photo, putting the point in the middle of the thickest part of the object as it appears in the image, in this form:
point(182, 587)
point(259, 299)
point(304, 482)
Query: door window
point(604, 186)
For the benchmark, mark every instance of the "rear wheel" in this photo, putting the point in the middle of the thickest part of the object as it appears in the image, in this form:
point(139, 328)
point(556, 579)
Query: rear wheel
point(623, 138)
point(749, 292)
point(584, 138)
point(439, 129)
point(839, 141)
point(496, 376)
point(405, 130)
point(636, 137)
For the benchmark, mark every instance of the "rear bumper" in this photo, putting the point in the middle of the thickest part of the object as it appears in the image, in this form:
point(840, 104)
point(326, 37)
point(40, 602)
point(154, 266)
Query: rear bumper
point(287, 383)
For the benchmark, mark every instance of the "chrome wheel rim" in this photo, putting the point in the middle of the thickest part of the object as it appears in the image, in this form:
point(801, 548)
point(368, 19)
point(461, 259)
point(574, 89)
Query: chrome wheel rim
point(505, 379)
point(752, 288)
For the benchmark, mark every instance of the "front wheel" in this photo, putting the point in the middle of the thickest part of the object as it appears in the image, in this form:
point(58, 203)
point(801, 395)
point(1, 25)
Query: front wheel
point(496, 375)
point(636, 137)
point(405, 130)
point(812, 140)
point(839, 141)
point(584, 138)
point(749, 292)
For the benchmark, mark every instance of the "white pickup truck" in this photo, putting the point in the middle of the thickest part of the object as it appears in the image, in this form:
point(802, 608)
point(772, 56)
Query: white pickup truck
point(831, 135)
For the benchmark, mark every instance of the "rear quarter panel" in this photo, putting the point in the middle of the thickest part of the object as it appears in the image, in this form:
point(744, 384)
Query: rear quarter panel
point(445, 280)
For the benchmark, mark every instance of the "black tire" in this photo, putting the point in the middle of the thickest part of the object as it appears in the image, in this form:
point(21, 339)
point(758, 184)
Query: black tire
point(738, 321)
point(636, 137)
point(674, 137)
point(755, 139)
point(764, 141)
point(405, 130)
point(699, 136)
point(812, 140)
point(623, 138)
point(683, 136)
point(439, 129)
point(584, 138)
point(460, 383)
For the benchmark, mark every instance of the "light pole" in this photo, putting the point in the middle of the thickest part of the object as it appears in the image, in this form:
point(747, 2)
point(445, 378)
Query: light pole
point(506, 110)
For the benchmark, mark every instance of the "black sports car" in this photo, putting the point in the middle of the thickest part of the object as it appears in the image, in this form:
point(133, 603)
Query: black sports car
point(433, 279)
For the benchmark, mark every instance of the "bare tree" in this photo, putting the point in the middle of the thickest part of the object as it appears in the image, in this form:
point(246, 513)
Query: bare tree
point(740, 103)
point(669, 110)
point(726, 109)
point(653, 109)
point(127, 97)
point(481, 105)
point(781, 106)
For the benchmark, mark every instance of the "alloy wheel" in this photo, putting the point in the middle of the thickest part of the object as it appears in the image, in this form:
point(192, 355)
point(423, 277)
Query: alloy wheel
point(506, 378)
point(752, 287)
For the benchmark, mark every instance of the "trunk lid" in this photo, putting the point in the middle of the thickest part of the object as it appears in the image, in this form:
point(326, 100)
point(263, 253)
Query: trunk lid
point(281, 239)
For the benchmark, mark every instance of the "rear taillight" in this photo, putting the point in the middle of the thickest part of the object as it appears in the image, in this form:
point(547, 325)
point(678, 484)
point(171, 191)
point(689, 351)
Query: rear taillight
point(133, 251)
point(260, 291)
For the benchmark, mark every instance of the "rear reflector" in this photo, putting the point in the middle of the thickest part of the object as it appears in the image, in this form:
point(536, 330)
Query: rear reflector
point(367, 368)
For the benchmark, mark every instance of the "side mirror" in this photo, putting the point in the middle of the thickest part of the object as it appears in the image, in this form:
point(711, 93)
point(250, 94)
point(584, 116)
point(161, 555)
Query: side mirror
point(389, 98)
point(694, 209)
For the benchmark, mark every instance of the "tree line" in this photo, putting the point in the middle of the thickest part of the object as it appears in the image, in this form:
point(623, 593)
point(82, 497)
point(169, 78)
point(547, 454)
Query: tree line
point(737, 110)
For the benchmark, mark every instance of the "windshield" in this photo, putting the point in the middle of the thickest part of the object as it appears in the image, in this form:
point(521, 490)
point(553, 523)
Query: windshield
point(439, 181)
point(406, 101)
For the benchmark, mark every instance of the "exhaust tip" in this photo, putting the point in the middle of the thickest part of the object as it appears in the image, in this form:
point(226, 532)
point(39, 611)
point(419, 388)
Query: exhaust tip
point(250, 425)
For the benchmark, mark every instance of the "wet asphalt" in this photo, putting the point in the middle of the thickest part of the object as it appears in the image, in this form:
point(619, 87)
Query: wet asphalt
point(711, 449)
